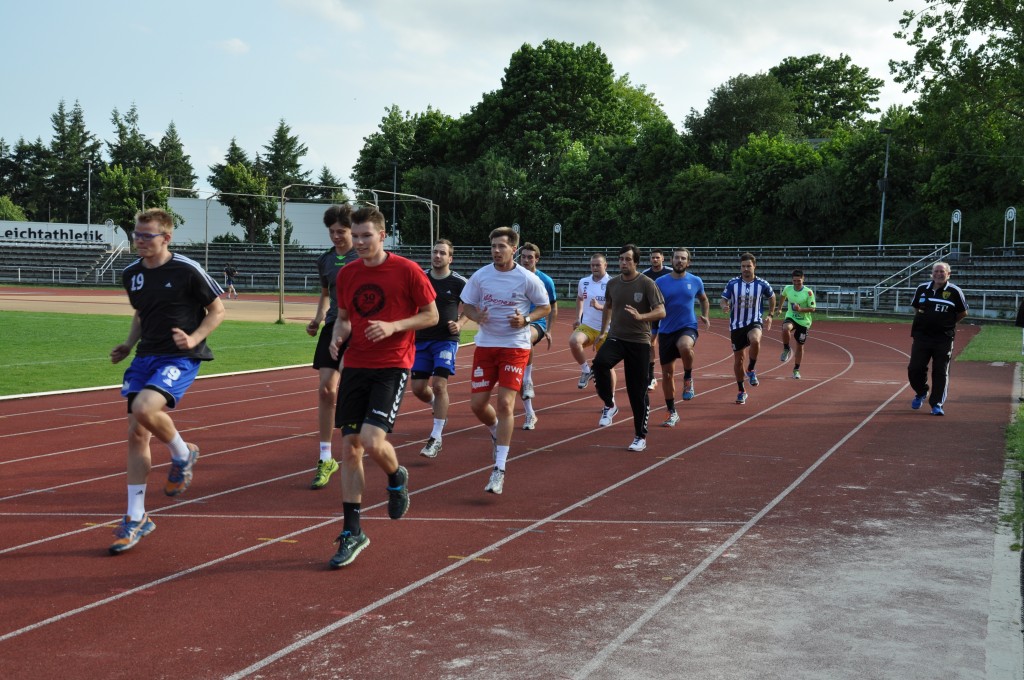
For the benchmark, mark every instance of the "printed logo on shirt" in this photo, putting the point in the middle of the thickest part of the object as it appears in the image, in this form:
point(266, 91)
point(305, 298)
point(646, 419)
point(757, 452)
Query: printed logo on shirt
point(638, 297)
point(368, 299)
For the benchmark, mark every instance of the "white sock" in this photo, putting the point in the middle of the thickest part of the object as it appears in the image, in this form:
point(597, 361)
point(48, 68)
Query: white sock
point(499, 461)
point(325, 451)
point(438, 428)
point(528, 374)
point(586, 367)
point(136, 502)
point(494, 430)
point(179, 449)
point(528, 404)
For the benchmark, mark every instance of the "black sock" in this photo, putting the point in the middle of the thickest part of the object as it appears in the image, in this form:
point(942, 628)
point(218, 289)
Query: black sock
point(687, 375)
point(740, 383)
point(796, 367)
point(395, 479)
point(351, 511)
point(670, 404)
point(785, 345)
point(750, 366)
point(650, 372)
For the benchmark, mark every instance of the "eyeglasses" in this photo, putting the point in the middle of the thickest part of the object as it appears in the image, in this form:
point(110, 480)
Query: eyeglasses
point(143, 236)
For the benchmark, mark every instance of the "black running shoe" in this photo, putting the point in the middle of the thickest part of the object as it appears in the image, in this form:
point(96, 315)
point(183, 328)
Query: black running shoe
point(398, 496)
point(349, 547)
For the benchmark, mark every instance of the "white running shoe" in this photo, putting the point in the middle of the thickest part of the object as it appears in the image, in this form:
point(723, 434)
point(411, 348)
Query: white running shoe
point(432, 448)
point(531, 421)
point(496, 483)
point(672, 419)
point(639, 444)
point(653, 384)
point(528, 390)
point(607, 413)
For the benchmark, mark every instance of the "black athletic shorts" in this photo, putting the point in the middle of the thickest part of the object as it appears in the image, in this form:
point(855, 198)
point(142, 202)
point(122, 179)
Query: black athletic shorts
point(322, 356)
point(369, 395)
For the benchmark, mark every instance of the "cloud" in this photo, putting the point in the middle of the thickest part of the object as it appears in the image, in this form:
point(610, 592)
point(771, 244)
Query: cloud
point(333, 11)
point(235, 46)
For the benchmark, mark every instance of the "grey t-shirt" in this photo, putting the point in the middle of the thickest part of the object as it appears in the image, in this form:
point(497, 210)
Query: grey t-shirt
point(643, 295)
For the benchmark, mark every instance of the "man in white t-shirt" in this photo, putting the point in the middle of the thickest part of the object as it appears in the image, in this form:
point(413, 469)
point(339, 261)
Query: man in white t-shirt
point(587, 326)
point(499, 297)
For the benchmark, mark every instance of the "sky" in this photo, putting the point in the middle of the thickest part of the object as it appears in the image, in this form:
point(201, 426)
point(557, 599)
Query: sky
point(330, 69)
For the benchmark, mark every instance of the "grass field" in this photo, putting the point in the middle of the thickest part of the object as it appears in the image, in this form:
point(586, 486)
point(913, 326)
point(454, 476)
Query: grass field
point(69, 351)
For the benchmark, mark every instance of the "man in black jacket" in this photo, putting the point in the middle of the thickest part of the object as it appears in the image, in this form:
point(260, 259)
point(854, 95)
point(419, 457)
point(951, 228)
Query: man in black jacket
point(939, 306)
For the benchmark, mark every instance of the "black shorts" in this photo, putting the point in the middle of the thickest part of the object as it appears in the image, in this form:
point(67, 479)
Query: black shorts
point(369, 395)
point(798, 332)
point(740, 337)
point(668, 349)
point(322, 356)
point(541, 333)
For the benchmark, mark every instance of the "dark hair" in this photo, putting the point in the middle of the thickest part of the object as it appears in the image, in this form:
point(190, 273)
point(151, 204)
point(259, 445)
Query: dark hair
point(371, 215)
point(689, 255)
point(798, 272)
point(513, 236)
point(630, 248)
point(532, 248)
point(446, 242)
point(748, 256)
point(338, 214)
point(657, 251)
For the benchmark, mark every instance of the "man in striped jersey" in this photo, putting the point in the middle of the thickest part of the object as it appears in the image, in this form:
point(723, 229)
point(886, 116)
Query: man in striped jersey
point(742, 300)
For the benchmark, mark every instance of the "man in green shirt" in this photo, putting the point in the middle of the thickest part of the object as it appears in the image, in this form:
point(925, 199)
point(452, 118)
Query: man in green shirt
point(797, 321)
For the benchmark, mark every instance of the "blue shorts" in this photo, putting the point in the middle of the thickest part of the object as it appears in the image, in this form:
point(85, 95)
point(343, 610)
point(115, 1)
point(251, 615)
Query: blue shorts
point(167, 374)
point(434, 357)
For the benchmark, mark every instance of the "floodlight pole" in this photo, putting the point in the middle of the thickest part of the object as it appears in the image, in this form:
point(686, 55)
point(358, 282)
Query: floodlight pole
point(884, 184)
point(206, 238)
point(280, 282)
point(88, 209)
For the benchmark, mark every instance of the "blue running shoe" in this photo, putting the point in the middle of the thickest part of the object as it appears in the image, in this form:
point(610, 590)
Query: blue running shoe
point(129, 533)
point(741, 398)
point(937, 411)
point(918, 401)
point(752, 378)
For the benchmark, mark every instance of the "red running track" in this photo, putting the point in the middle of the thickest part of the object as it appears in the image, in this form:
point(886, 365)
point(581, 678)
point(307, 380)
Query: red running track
point(821, 530)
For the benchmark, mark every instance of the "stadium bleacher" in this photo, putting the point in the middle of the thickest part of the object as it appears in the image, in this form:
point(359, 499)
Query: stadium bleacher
point(859, 277)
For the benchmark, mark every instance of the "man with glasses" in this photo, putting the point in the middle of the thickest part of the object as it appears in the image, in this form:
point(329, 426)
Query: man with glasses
point(177, 305)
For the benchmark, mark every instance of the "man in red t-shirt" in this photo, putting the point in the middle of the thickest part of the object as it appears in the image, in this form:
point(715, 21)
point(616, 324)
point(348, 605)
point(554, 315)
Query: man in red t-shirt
point(383, 299)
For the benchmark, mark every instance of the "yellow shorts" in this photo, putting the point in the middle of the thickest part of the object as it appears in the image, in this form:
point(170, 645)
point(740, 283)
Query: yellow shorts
point(591, 334)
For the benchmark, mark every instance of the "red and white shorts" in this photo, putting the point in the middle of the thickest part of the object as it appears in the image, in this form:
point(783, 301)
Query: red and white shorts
point(498, 365)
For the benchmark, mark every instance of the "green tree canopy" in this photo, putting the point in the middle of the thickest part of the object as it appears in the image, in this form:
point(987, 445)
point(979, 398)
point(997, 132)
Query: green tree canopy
point(744, 106)
point(827, 93)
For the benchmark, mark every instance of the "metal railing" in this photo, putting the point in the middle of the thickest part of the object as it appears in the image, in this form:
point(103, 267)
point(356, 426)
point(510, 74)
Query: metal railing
point(111, 259)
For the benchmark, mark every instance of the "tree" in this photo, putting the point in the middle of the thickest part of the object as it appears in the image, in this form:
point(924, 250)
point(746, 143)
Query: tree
point(9, 211)
point(26, 178)
point(130, 148)
point(172, 162)
point(244, 194)
point(72, 146)
point(282, 163)
point(234, 156)
point(970, 48)
point(827, 93)
point(120, 194)
point(743, 106)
